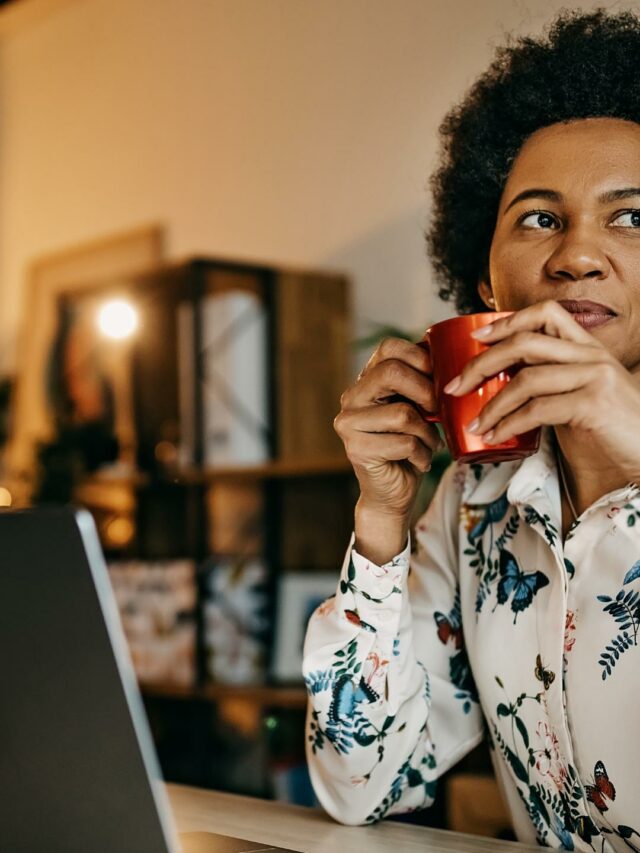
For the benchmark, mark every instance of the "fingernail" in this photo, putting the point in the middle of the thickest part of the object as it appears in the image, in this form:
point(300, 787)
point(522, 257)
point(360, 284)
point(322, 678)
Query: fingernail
point(473, 426)
point(482, 332)
point(488, 436)
point(451, 387)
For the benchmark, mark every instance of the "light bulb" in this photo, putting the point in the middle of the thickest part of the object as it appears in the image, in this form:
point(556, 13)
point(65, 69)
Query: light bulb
point(118, 319)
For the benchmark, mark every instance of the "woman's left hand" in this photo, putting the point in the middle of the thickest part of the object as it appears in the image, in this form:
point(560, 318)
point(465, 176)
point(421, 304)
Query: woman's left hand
point(569, 378)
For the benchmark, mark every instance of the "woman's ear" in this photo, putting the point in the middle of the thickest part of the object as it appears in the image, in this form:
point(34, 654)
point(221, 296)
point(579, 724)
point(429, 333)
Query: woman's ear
point(486, 294)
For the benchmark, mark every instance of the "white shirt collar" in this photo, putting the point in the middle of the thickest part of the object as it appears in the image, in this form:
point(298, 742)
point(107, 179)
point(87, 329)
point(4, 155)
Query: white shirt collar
point(523, 478)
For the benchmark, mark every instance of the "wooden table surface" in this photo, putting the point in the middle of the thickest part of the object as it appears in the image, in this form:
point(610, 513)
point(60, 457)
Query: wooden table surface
point(312, 831)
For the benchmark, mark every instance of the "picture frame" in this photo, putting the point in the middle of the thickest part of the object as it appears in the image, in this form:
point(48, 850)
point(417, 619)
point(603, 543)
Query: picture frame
point(298, 595)
point(50, 278)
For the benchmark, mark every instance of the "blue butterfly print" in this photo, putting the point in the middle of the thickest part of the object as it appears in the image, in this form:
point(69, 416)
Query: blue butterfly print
point(346, 695)
point(523, 585)
point(493, 513)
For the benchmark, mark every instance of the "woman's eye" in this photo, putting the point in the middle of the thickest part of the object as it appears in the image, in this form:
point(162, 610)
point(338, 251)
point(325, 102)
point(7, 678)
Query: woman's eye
point(538, 220)
point(628, 219)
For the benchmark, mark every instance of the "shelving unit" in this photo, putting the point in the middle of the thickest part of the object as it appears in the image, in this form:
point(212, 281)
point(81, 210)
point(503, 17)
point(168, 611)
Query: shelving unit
point(171, 502)
point(311, 467)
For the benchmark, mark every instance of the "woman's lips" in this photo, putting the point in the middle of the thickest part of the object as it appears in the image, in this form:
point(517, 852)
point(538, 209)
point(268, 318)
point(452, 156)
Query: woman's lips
point(589, 314)
point(591, 319)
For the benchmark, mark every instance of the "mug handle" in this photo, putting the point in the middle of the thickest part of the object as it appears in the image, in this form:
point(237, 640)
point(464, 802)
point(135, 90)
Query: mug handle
point(431, 417)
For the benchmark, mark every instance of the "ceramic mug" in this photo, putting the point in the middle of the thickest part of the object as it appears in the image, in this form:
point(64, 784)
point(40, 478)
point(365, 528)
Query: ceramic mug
point(451, 346)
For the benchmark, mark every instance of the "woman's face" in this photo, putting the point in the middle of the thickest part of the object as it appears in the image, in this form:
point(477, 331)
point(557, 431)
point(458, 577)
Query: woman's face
point(568, 227)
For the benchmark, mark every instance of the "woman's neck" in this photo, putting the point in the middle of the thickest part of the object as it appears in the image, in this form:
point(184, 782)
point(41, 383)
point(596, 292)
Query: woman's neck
point(587, 478)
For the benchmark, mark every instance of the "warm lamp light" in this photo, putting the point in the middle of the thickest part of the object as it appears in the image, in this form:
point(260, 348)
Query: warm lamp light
point(5, 497)
point(120, 531)
point(118, 319)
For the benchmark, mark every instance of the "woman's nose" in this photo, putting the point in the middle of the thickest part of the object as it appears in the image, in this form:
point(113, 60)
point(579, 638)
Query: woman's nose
point(578, 256)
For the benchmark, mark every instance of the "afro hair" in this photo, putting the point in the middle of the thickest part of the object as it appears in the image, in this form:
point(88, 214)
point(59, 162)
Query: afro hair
point(585, 66)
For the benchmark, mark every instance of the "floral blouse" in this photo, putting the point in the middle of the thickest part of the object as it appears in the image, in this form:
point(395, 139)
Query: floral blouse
point(492, 628)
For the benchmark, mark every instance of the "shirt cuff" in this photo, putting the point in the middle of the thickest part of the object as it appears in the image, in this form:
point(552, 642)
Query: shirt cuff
point(377, 590)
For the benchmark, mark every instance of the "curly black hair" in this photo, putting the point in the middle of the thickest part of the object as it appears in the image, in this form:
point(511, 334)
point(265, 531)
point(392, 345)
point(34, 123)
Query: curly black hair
point(585, 66)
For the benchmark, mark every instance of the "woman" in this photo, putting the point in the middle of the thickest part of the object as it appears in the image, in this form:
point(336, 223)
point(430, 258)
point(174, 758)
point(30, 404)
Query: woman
point(520, 616)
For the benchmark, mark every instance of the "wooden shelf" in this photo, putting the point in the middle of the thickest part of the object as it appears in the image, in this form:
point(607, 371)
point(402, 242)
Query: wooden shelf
point(274, 469)
point(282, 697)
point(282, 468)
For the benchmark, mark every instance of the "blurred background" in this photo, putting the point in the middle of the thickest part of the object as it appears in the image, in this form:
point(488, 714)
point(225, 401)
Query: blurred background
point(210, 211)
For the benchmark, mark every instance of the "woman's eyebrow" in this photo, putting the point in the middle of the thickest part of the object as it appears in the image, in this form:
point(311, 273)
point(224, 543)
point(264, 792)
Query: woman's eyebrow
point(552, 195)
point(617, 195)
point(549, 195)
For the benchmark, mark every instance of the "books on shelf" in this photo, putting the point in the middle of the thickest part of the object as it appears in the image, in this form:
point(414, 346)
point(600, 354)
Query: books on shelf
point(234, 386)
point(157, 604)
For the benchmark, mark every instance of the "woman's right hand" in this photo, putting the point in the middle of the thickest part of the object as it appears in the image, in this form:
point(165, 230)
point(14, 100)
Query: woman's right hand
point(387, 440)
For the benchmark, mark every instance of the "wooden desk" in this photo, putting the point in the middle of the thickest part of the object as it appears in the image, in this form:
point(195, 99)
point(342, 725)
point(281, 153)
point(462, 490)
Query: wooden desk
point(312, 831)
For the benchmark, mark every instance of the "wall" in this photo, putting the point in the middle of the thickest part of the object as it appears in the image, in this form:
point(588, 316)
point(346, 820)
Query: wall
point(296, 131)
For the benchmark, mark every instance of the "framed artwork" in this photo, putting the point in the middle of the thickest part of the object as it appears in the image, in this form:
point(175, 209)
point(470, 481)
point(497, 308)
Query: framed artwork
point(56, 342)
point(236, 619)
point(299, 594)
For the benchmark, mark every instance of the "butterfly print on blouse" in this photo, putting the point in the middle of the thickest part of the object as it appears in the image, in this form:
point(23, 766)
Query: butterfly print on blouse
point(602, 791)
point(493, 513)
point(602, 788)
point(346, 695)
point(514, 582)
point(546, 676)
point(450, 626)
point(354, 617)
point(450, 634)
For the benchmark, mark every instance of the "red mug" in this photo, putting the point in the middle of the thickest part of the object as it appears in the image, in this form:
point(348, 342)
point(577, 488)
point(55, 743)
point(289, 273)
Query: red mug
point(451, 346)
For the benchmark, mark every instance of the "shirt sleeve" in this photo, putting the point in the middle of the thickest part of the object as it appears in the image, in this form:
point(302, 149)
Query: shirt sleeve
point(392, 704)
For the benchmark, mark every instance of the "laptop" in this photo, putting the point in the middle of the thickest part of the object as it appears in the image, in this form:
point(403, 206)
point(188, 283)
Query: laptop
point(78, 769)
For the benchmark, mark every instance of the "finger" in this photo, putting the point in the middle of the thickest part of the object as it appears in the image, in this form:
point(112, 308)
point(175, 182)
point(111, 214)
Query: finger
point(374, 449)
point(392, 418)
point(548, 317)
point(396, 348)
point(570, 409)
point(389, 377)
point(526, 348)
point(531, 383)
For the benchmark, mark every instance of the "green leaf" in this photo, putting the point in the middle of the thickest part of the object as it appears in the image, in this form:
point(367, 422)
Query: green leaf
point(351, 571)
point(633, 573)
point(523, 731)
point(499, 682)
point(516, 765)
point(430, 789)
point(363, 740)
point(388, 722)
point(414, 778)
point(503, 710)
point(339, 653)
point(536, 799)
